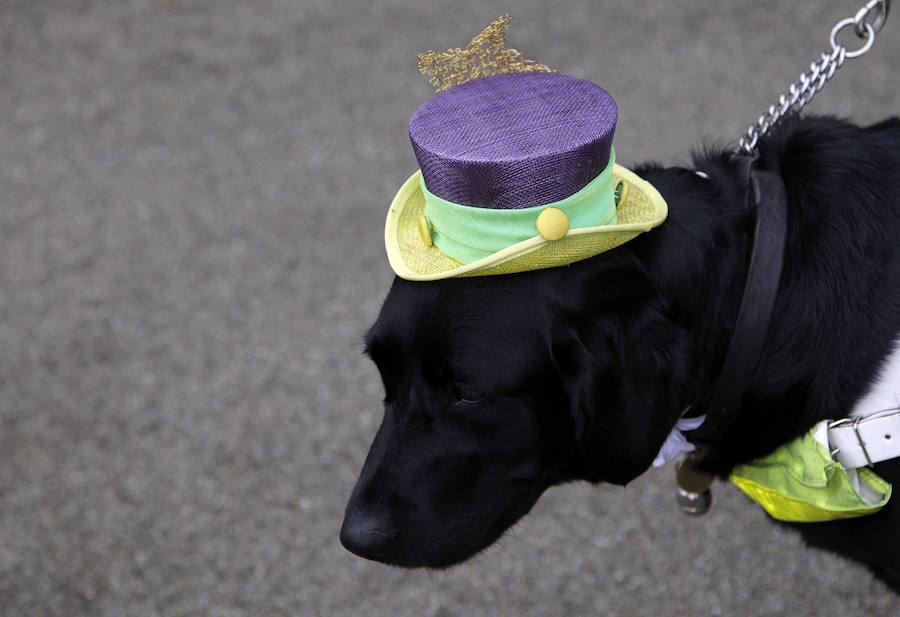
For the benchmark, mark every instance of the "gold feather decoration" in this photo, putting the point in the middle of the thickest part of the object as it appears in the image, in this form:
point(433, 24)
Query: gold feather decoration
point(485, 55)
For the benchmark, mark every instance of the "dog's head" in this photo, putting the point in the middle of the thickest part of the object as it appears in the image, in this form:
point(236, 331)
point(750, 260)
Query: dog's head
point(497, 388)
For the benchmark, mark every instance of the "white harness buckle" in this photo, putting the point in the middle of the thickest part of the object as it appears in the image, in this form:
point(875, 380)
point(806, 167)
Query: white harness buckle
point(865, 440)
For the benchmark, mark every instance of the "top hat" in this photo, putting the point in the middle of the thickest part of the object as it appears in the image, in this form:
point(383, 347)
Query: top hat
point(517, 172)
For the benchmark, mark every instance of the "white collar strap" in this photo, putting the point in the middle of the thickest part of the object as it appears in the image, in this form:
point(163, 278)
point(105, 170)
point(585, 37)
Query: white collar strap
point(861, 441)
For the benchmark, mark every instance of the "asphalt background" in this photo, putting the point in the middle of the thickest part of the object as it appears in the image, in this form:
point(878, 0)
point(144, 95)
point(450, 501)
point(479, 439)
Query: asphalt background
point(192, 195)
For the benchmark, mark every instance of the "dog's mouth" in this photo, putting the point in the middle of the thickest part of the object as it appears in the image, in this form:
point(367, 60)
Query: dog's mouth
point(528, 493)
point(525, 495)
point(526, 489)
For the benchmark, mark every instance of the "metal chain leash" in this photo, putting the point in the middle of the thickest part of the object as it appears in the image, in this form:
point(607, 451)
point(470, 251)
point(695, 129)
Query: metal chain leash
point(801, 92)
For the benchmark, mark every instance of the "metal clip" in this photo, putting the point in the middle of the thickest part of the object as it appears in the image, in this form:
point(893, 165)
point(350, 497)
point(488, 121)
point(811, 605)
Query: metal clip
point(854, 424)
point(882, 8)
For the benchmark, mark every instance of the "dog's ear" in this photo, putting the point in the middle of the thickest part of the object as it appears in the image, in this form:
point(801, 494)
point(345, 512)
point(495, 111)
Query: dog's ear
point(625, 368)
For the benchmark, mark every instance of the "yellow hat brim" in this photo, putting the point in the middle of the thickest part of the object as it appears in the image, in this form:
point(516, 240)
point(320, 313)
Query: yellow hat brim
point(641, 209)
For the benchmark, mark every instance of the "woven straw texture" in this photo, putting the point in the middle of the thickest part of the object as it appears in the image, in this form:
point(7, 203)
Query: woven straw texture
point(517, 140)
point(637, 208)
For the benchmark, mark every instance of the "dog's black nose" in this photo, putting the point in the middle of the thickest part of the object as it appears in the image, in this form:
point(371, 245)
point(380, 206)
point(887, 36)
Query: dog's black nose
point(368, 535)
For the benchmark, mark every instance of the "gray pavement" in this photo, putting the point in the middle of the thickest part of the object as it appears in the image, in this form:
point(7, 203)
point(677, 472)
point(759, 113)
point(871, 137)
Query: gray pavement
point(191, 203)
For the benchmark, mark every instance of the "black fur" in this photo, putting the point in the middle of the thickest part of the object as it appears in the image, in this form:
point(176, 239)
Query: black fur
point(499, 387)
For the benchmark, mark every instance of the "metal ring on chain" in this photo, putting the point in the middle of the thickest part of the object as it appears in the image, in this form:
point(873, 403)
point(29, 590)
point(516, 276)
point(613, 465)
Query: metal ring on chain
point(850, 21)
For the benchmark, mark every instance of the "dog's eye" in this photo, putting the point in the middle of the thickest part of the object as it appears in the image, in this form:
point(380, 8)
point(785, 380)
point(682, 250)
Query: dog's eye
point(464, 394)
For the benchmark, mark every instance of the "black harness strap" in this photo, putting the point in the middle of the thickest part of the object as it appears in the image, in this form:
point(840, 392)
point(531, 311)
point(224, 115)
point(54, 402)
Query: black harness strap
point(760, 291)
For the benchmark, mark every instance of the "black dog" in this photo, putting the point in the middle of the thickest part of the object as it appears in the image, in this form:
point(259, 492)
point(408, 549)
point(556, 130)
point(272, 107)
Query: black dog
point(497, 388)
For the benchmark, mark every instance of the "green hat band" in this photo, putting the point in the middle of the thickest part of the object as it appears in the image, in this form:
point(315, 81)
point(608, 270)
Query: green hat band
point(467, 233)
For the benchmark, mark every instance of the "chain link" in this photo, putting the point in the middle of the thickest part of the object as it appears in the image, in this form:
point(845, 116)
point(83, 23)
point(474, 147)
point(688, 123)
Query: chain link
point(801, 92)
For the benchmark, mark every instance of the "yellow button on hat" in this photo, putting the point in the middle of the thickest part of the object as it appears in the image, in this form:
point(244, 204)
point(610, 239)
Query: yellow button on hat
point(425, 232)
point(552, 224)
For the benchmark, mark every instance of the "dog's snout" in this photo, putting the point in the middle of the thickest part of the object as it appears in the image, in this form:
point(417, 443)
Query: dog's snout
point(368, 535)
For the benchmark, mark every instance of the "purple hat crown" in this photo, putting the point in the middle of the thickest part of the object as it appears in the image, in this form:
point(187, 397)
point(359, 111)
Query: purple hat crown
point(514, 140)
